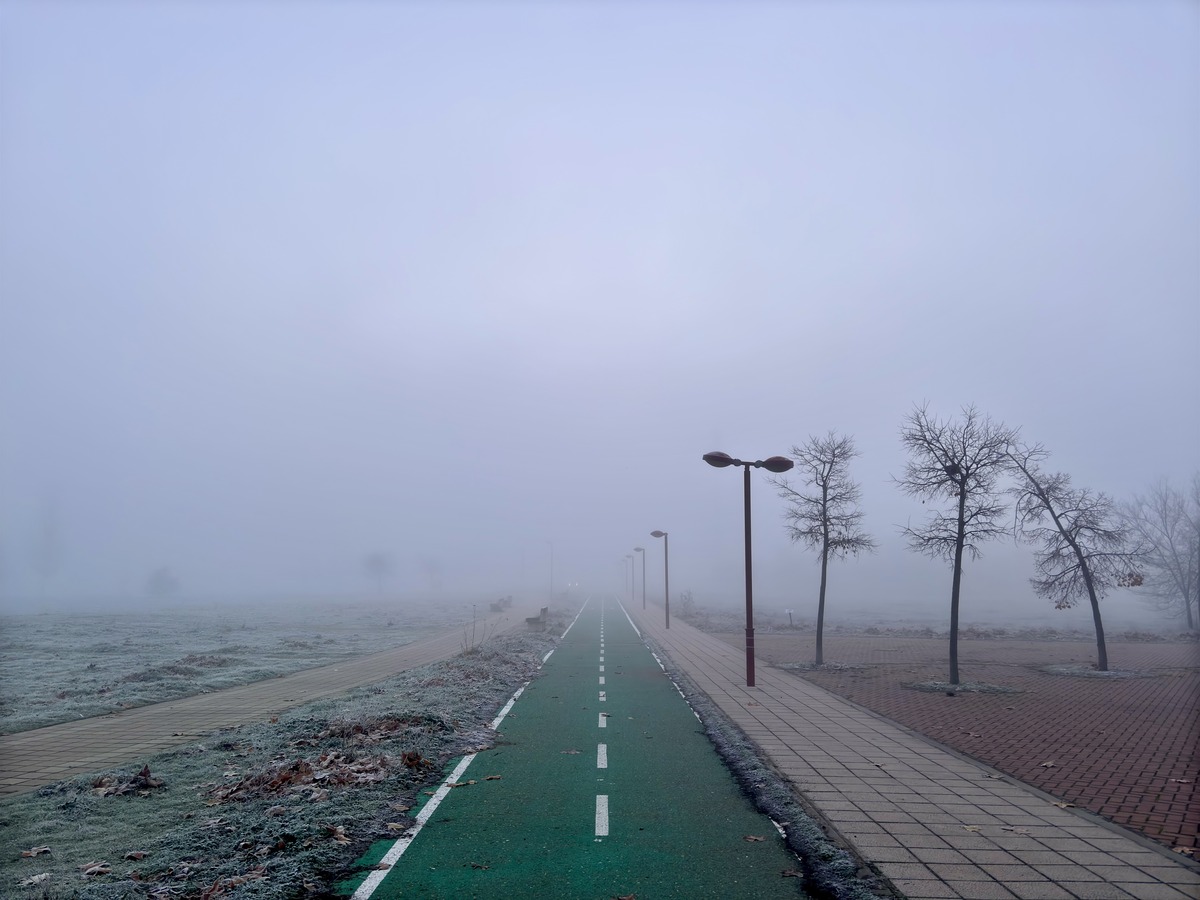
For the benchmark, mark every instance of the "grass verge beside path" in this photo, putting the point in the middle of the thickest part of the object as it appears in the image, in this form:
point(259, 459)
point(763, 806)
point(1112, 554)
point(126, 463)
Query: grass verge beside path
point(276, 810)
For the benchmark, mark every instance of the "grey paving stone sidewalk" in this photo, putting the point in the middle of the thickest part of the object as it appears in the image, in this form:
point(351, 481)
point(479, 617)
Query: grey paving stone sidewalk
point(935, 824)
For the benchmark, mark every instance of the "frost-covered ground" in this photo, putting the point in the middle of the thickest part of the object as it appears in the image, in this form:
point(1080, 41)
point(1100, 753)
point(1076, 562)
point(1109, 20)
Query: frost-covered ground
point(57, 667)
point(277, 810)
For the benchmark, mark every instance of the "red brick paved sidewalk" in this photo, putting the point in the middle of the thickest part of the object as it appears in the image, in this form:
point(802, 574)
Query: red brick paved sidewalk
point(1127, 749)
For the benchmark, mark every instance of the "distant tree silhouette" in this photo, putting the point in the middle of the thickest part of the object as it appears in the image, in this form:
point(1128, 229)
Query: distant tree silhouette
point(162, 584)
point(1167, 520)
point(378, 566)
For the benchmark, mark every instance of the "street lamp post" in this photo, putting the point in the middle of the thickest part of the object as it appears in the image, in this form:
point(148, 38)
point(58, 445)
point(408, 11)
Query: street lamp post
point(772, 464)
point(642, 550)
point(666, 575)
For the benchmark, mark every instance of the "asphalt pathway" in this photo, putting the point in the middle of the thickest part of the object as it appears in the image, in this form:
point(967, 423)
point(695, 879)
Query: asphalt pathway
point(602, 784)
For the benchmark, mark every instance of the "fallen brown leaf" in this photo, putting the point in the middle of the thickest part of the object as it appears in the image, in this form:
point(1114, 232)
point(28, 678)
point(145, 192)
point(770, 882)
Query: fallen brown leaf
point(36, 851)
point(1048, 765)
point(394, 827)
point(1065, 805)
point(380, 867)
point(136, 854)
point(92, 869)
point(479, 866)
point(791, 873)
point(753, 837)
point(36, 879)
point(1186, 851)
point(492, 778)
point(973, 828)
point(276, 810)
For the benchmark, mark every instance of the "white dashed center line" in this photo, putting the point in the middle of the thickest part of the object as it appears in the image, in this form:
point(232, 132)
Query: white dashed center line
point(602, 815)
point(602, 756)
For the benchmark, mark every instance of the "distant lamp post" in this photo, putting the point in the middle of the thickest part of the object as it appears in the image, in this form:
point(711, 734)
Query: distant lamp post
point(775, 464)
point(666, 574)
point(642, 550)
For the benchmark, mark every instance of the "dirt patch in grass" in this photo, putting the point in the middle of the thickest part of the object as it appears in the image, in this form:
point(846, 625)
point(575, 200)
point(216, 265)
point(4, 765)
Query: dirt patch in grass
point(964, 687)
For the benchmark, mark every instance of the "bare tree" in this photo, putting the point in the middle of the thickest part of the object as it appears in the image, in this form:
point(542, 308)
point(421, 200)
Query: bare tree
point(161, 584)
point(378, 566)
point(962, 461)
point(1082, 546)
point(48, 546)
point(1168, 522)
point(825, 517)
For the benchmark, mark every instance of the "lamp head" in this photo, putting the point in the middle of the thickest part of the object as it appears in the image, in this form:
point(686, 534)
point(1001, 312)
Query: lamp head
point(639, 550)
point(718, 459)
point(658, 534)
point(777, 464)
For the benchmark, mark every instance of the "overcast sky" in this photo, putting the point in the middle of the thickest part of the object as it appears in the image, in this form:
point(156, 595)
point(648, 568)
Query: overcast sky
point(285, 283)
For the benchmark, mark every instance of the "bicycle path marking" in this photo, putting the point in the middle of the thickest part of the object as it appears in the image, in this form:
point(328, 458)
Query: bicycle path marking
point(650, 811)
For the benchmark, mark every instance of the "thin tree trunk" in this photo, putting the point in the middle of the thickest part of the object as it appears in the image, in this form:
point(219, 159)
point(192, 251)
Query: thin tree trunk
point(957, 584)
point(1101, 650)
point(824, 568)
point(821, 604)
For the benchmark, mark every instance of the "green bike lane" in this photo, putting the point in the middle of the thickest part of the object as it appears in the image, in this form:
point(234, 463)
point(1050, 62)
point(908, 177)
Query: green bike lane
point(601, 784)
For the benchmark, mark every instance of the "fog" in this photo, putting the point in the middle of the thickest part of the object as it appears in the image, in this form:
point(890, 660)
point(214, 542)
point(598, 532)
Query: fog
point(474, 286)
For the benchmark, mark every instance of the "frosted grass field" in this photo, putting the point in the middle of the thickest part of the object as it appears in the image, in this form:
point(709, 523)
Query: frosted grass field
point(58, 667)
point(275, 810)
